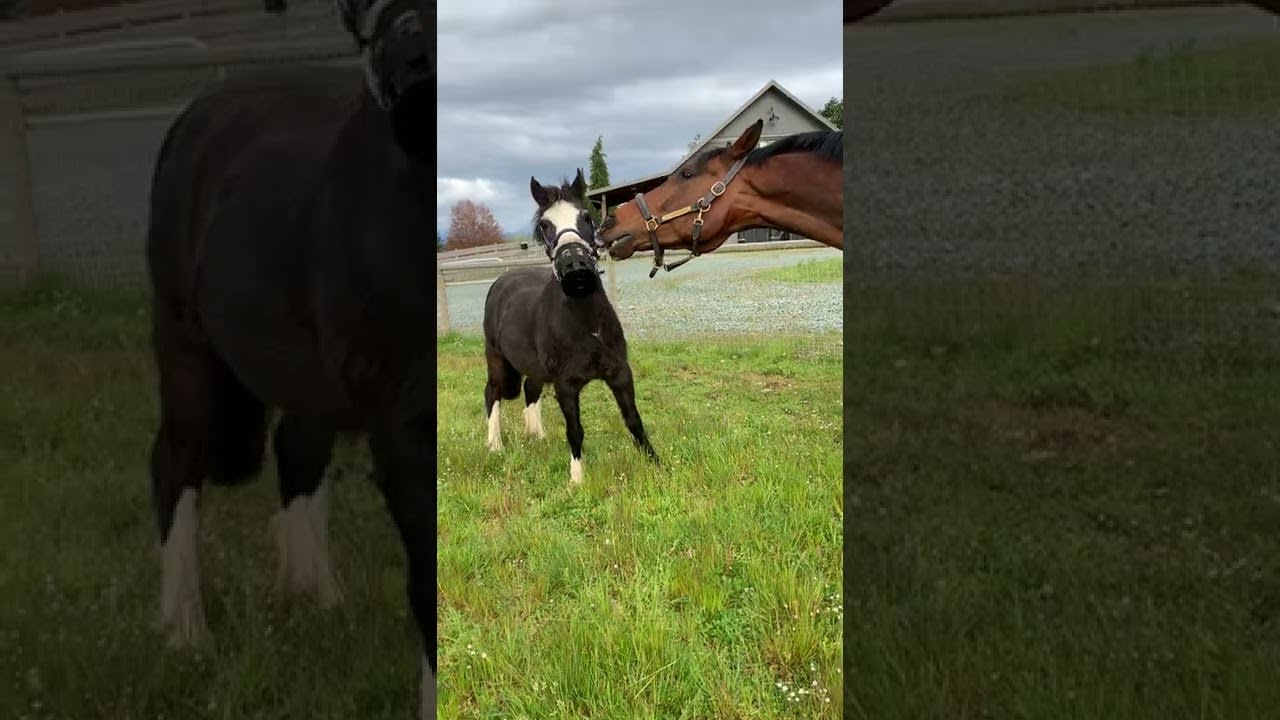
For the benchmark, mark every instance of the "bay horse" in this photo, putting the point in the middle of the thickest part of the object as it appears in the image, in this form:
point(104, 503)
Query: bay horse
point(557, 327)
point(291, 272)
point(795, 184)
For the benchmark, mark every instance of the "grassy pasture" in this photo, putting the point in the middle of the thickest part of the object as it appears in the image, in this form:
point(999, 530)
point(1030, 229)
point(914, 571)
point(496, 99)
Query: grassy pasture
point(1062, 501)
point(705, 589)
point(1181, 81)
point(699, 590)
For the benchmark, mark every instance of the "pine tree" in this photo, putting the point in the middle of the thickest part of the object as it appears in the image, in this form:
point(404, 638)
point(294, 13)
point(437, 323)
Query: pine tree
point(598, 176)
point(833, 111)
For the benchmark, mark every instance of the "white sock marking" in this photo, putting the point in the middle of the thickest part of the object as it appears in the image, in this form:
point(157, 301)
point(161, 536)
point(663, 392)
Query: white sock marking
point(181, 611)
point(575, 471)
point(427, 692)
point(301, 532)
point(533, 420)
point(494, 443)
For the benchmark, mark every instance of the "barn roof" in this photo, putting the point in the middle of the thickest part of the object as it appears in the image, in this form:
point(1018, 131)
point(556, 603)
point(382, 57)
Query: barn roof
point(621, 192)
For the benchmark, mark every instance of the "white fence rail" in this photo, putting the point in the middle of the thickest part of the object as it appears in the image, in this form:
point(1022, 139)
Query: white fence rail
point(454, 272)
point(30, 72)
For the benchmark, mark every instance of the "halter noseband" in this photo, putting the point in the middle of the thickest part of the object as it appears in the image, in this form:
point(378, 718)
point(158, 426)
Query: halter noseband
point(699, 206)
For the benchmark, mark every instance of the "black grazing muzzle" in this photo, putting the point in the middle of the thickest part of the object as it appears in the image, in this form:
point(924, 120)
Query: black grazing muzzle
point(575, 266)
point(576, 269)
point(404, 58)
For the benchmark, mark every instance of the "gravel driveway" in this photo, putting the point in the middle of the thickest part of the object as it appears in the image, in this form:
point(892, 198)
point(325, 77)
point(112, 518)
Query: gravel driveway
point(712, 294)
point(945, 179)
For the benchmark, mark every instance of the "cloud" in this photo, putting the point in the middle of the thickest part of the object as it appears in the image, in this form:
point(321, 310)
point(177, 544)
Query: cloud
point(525, 88)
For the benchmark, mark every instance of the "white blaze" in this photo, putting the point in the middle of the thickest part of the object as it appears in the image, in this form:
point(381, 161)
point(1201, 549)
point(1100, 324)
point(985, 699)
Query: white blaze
point(564, 215)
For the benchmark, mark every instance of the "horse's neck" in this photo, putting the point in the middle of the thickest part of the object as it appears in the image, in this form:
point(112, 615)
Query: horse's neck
point(775, 199)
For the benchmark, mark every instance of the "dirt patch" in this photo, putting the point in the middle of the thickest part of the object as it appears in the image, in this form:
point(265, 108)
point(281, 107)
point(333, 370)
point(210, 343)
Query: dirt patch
point(1050, 432)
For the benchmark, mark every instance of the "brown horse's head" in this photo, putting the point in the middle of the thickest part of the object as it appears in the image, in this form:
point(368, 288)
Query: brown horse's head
point(673, 207)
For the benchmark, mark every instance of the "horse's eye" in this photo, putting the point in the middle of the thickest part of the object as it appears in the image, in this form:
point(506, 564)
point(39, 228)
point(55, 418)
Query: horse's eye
point(686, 173)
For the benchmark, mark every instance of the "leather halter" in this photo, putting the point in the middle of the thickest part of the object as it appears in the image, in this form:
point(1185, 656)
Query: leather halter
point(699, 206)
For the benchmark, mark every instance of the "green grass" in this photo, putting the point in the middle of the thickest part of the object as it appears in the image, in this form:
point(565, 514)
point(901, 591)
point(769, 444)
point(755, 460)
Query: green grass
point(683, 592)
point(1063, 502)
point(1235, 80)
point(79, 573)
point(814, 271)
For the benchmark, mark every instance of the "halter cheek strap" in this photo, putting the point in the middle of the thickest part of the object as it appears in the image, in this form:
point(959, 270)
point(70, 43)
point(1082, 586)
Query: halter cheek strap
point(700, 206)
point(551, 248)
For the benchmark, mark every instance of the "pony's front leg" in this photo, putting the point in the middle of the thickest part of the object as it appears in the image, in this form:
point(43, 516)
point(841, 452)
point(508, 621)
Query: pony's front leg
point(403, 458)
point(567, 397)
point(624, 392)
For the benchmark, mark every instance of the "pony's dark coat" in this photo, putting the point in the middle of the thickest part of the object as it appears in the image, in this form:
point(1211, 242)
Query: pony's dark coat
point(288, 251)
point(534, 331)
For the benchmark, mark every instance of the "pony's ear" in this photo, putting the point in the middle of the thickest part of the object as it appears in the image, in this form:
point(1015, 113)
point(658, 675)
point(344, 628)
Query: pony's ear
point(748, 140)
point(539, 193)
point(579, 186)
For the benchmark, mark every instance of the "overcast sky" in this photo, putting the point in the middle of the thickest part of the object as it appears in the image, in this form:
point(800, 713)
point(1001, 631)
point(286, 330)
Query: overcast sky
point(527, 85)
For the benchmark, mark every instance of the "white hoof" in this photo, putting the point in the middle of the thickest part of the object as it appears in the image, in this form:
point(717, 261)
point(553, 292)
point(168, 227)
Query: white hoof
point(575, 471)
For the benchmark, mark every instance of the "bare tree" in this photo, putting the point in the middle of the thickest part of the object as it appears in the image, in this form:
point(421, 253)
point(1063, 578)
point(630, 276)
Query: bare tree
point(471, 224)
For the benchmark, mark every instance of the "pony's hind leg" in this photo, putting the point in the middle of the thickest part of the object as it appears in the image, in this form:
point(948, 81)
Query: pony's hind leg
point(533, 409)
point(180, 462)
point(503, 384)
point(624, 392)
point(211, 427)
point(567, 396)
point(303, 451)
point(177, 470)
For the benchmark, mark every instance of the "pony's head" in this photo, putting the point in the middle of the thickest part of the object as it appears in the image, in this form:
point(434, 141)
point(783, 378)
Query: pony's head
point(564, 229)
point(398, 45)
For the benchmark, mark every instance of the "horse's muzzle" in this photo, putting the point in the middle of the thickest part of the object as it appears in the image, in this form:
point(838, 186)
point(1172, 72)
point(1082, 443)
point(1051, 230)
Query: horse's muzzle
point(622, 247)
point(577, 270)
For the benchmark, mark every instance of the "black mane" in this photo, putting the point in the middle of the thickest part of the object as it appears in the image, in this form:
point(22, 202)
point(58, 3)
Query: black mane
point(826, 144)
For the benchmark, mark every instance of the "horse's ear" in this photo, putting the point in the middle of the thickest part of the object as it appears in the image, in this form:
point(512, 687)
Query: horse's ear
point(580, 186)
point(539, 193)
point(748, 140)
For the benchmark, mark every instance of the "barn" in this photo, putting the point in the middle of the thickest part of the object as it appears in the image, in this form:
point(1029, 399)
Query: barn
point(783, 114)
